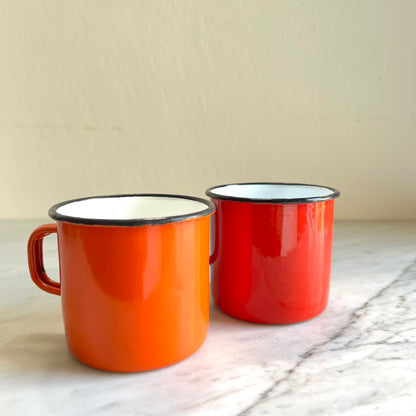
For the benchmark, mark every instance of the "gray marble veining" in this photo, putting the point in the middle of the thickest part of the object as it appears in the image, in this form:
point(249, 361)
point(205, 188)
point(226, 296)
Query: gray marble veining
point(357, 358)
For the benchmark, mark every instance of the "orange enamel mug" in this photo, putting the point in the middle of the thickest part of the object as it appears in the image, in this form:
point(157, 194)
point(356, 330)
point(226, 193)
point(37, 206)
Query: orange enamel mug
point(134, 277)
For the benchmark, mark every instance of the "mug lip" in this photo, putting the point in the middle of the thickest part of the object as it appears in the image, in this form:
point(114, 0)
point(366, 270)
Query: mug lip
point(334, 194)
point(131, 222)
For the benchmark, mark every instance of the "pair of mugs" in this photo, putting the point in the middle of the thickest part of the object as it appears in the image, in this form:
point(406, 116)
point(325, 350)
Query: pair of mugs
point(134, 269)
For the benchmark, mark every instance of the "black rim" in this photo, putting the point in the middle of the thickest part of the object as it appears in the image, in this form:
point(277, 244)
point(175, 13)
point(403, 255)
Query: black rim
point(135, 221)
point(334, 194)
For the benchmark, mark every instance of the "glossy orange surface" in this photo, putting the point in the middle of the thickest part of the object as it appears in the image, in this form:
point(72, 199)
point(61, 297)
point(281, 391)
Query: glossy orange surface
point(133, 298)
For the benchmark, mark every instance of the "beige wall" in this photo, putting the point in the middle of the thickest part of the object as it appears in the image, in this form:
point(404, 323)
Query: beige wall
point(102, 97)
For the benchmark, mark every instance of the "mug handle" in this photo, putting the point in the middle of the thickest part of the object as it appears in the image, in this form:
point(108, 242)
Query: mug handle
point(35, 259)
point(214, 254)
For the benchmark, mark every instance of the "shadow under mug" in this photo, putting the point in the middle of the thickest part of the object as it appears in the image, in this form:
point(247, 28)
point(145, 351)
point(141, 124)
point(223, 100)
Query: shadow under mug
point(134, 278)
point(272, 250)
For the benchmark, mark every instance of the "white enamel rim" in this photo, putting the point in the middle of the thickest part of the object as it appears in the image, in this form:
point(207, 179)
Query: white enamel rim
point(272, 192)
point(130, 210)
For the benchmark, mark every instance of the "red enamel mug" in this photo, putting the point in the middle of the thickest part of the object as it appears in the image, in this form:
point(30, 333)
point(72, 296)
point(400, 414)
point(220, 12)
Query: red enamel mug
point(272, 250)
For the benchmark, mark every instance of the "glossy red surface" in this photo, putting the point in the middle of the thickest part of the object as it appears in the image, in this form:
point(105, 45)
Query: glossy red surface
point(272, 262)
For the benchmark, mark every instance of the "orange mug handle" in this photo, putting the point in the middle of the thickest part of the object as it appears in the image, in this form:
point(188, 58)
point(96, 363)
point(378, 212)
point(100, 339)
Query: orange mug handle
point(35, 259)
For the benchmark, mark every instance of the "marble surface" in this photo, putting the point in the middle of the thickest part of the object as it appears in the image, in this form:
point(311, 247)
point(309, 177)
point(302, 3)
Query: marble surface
point(357, 358)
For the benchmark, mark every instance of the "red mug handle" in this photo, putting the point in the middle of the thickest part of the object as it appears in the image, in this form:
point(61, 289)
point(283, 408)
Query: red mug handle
point(35, 259)
point(214, 254)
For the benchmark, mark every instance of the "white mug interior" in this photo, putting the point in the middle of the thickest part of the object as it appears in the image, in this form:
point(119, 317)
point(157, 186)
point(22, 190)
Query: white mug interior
point(272, 191)
point(131, 207)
